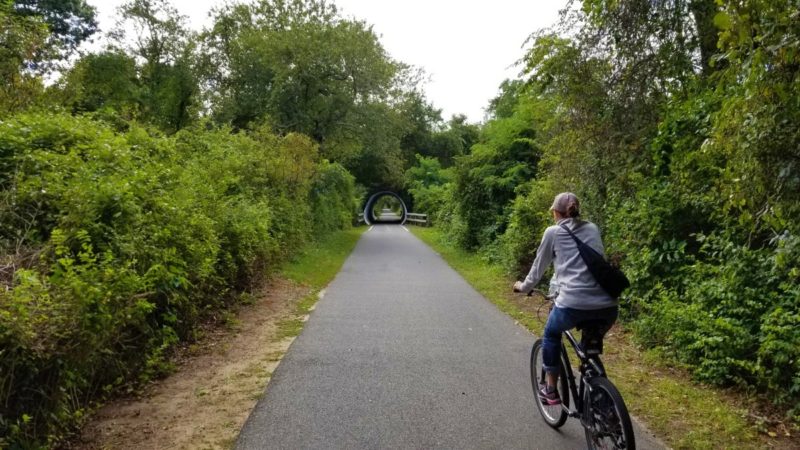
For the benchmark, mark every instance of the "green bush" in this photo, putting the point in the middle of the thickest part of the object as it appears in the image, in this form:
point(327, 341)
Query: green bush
point(333, 198)
point(731, 321)
point(529, 218)
point(487, 179)
point(114, 246)
point(430, 186)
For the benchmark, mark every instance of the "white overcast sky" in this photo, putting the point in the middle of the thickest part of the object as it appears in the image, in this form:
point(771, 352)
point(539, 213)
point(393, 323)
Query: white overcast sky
point(467, 48)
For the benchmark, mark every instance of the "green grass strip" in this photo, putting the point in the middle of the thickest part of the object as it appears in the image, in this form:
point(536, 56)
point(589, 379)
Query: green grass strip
point(316, 266)
point(319, 263)
point(682, 413)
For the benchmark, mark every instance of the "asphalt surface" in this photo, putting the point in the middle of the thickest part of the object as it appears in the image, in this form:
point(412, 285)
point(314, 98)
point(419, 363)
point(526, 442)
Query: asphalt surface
point(402, 353)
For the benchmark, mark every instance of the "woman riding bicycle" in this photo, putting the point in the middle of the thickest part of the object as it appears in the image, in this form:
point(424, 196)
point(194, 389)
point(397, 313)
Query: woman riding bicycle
point(579, 297)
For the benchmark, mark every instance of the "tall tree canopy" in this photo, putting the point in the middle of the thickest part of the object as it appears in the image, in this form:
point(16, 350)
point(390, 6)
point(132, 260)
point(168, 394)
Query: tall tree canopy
point(70, 21)
point(163, 48)
point(298, 63)
point(301, 67)
point(22, 42)
point(104, 80)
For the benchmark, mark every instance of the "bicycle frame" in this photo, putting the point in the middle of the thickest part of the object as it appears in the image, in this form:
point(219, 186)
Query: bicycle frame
point(586, 363)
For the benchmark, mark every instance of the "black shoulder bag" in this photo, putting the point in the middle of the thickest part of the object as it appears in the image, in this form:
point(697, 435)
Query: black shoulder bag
point(610, 278)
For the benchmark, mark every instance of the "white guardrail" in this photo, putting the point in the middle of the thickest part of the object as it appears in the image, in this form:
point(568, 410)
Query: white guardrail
point(415, 218)
point(418, 219)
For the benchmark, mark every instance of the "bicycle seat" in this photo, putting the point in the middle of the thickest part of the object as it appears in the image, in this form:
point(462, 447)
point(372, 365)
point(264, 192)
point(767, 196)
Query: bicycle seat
point(592, 332)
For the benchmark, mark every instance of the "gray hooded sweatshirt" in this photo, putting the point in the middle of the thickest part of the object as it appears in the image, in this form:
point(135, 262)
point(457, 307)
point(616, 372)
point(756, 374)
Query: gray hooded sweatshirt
point(576, 286)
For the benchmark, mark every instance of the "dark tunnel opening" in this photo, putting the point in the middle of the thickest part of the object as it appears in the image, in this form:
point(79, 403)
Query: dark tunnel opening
point(385, 207)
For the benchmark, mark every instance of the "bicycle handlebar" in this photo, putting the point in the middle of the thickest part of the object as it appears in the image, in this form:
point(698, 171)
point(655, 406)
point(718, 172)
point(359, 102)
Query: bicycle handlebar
point(547, 296)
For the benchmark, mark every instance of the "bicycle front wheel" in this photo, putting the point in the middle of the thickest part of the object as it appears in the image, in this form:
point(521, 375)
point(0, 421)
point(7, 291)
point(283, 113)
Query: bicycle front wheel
point(553, 415)
point(606, 419)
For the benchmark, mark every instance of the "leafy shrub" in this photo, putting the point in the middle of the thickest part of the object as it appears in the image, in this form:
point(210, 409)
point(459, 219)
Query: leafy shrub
point(529, 218)
point(429, 183)
point(114, 246)
point(486, 180)
point(732, 322)
point(332, 198)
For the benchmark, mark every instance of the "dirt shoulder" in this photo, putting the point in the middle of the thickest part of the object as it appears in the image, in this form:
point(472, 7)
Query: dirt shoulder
point(216, 384)
point(218, 380)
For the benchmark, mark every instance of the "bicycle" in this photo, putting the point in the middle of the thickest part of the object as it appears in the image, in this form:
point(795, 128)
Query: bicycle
point(598, 403)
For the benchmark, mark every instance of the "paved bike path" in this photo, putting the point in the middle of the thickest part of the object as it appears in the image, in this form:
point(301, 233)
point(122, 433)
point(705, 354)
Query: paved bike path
point(402, 353)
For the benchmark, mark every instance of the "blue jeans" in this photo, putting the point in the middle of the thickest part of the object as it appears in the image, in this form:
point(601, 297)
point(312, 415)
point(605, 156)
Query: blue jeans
point(563, 319)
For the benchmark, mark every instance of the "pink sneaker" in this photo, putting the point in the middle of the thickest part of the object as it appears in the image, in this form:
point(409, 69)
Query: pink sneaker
point(549, 397)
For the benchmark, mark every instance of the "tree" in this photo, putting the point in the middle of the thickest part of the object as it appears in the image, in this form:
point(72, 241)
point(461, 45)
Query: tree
point(377, 160)
point(23, 40)
point(419, 120)
point(503, 105)
point(33, 35)
point(70, 21)
point(426, 173)
point(298, 64)
point(300, 67)
point(456, 139)
point(104, 80)
point(160, 34)
point(164, 51)
point(486, 180)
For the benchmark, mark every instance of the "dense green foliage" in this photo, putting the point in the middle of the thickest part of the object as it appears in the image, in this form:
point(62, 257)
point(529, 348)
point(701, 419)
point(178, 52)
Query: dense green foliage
point(302, 68)
point(116, 244)
point(676, 123)
point(21, 41)
point(70, 21)
point(151, 77)
point(428, 184)
point(35, 35)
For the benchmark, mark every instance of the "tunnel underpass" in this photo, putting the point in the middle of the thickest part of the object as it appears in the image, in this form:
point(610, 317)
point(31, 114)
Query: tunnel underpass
point(385, 207)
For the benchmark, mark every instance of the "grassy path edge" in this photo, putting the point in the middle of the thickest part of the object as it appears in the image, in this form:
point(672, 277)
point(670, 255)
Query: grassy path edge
point(316, 267)
point(680, 412)
point(217, 380)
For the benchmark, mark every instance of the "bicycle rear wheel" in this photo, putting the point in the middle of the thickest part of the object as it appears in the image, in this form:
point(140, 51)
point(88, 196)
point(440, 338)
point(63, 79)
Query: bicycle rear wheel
point(607, 422)
point(553, 415)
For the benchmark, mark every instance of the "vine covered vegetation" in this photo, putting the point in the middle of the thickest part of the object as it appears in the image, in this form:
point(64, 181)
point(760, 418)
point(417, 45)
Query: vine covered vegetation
point(677, 124)
point(118, 244)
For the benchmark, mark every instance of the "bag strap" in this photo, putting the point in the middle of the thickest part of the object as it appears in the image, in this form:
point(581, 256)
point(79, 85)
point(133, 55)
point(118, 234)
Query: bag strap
point(578, 241)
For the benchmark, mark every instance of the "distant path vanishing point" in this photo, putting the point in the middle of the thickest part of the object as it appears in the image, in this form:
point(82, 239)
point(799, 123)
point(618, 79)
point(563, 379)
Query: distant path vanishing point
point(403, 353)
